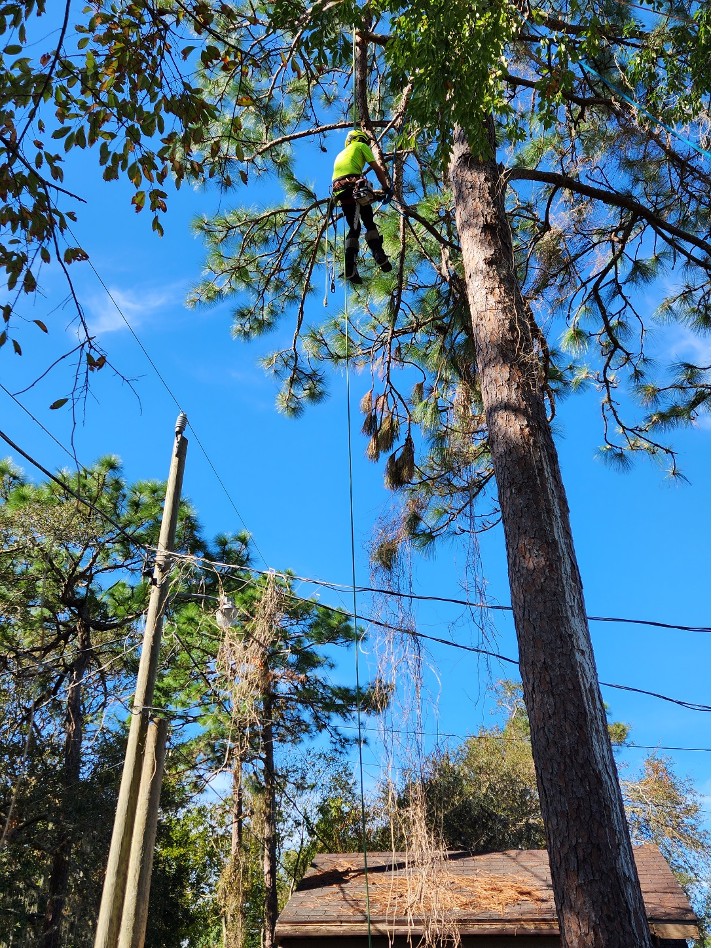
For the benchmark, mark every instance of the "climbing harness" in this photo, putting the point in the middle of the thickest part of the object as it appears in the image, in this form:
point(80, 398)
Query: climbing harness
point(363, 193)
point(348, 181)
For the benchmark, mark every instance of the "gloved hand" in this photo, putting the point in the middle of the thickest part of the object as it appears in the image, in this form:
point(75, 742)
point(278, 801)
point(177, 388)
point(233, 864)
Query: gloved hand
point(387, 196)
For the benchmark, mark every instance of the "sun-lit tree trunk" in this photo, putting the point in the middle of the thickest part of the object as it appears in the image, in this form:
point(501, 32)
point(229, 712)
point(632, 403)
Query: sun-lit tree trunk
point(596, 887)
point(269, 790)
point(71, 769)
point(237, 808)
point(233, 881)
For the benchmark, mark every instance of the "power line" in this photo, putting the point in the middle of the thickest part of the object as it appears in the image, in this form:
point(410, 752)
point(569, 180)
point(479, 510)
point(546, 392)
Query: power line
point(416, 732)
point(685, 704)
point(341, 587)
point(82, 500)
point(337, 587)
point(485, 605)
point(173, 396)
point(39, 423)
point(689, 705)
point(692, 706)
point(512, 740)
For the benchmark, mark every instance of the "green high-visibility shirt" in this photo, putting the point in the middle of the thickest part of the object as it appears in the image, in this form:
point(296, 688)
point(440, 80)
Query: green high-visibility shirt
point(352, 160)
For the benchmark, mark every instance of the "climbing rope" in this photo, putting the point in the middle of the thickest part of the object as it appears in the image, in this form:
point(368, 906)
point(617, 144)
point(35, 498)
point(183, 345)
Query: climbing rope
point(354, 104)
point(353, 532)
point(355, 612)
point(329, 259)
point(636, 106)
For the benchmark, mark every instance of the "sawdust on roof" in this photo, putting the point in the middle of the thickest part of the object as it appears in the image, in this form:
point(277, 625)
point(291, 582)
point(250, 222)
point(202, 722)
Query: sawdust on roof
point(404, 894)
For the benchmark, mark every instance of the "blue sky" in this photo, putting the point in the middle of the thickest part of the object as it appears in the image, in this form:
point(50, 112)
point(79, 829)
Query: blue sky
point(642, 542)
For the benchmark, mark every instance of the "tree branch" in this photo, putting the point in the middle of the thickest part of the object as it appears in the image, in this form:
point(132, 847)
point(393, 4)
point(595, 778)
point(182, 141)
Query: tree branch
point(612, 198)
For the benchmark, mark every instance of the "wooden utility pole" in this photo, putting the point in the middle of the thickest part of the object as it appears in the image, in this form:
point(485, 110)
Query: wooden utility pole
point(138, 881)
point(114, 892)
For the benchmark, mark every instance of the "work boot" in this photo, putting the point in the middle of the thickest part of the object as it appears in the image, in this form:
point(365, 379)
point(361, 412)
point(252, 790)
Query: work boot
point(375, 244)
point(352, 275)
point(351, 252)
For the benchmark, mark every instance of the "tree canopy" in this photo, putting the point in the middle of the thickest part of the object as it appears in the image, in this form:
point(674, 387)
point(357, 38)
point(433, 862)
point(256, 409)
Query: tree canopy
point(601, 128)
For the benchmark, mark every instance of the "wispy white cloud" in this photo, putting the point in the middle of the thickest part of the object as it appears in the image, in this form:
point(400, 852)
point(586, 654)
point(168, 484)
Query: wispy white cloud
point(675, 343)
point(138, 306)
point(680, 344)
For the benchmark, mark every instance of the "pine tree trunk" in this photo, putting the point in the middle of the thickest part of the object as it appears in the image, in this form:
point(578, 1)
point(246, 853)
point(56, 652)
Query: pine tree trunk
point(233, 918)
point(596, 886)
point(237, 808)
point(71, 769)
point(270, 828)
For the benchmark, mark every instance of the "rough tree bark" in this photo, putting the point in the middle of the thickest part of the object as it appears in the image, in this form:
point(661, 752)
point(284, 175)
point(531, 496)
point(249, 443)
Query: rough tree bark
point(270, 828)
point(595, 881)
point(233, 919)
point(237, 808)
point(71, 770)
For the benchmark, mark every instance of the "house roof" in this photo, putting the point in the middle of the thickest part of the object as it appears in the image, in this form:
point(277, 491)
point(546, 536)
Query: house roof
point(502, 893)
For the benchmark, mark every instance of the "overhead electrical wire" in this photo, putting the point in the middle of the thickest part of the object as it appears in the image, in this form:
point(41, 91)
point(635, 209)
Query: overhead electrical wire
point(173, 396)
point(406, 732)
point(337, 587)
point(513, 740)
point(489, 653)
point(690, 705)
point(292, 576)
point(82, 500)
point(342, 587)
point(693, 706)
point(626, 744)
point(39, 423)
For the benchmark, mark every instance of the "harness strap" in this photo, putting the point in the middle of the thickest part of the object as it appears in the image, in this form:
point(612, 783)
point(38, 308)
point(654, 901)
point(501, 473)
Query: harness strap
point(348, 181)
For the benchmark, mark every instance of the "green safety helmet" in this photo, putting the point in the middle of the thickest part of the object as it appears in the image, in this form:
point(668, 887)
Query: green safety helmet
point(356, 135)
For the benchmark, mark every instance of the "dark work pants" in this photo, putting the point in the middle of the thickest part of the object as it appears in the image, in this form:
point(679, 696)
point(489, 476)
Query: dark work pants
point(348, 206)
point(373, 238)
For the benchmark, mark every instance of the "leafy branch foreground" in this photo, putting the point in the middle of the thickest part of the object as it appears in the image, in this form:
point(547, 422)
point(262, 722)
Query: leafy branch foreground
point(603, 202)
point(121, 79)
point(71, 594)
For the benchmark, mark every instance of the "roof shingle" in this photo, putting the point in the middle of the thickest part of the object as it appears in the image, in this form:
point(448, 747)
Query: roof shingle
point(496, 893)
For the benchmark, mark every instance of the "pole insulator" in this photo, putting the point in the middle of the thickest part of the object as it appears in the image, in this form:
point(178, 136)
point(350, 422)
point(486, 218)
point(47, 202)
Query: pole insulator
point(181, 422)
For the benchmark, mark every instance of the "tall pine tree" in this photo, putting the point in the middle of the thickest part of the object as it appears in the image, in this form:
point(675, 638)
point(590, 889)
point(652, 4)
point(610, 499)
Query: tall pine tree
point(581, 103)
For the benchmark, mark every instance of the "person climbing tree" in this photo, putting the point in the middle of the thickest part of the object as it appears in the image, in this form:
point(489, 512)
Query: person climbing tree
point(355, 195)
